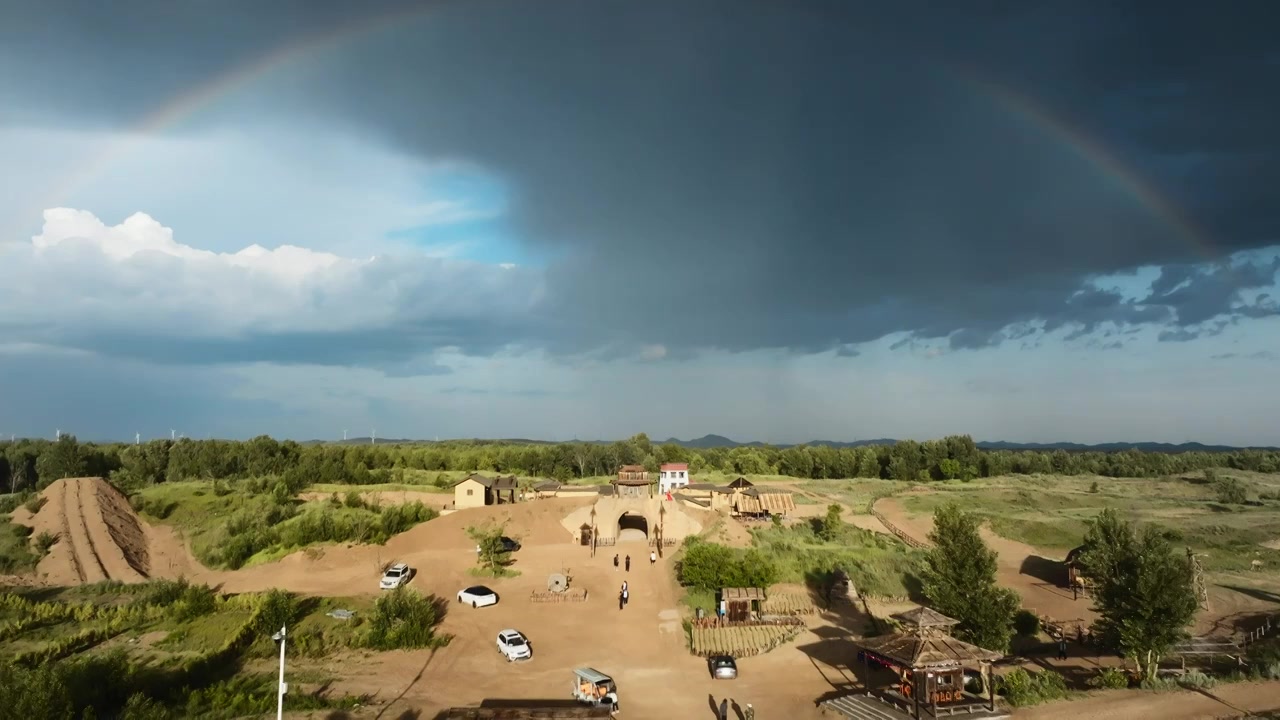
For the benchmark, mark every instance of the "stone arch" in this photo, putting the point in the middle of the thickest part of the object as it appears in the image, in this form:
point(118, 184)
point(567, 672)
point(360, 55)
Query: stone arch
point(632, 527)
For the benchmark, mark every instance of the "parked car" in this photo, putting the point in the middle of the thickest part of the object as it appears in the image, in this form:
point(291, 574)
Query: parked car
point(478, 596)
point(723, 667)
point(396, 576)
point(508, 545)
point(514, 645)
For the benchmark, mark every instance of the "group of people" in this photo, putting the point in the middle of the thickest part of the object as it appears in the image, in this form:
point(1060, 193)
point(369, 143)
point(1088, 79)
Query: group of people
point(748, 712)
point(623, 594)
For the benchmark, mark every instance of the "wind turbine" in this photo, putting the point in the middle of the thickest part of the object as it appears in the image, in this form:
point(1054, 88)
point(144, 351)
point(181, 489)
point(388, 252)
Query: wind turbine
point(57, 434)
point(172, 436)
point(137, 438)
point(373, 436)
point(344, 436)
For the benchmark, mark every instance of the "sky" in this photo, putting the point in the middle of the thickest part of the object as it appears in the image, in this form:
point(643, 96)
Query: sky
point(585, 219)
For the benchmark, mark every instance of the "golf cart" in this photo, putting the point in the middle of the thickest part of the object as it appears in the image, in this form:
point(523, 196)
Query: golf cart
point(593, 687)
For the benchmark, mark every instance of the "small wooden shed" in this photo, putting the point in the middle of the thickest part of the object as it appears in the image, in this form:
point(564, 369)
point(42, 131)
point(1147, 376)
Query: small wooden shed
point(741, 603)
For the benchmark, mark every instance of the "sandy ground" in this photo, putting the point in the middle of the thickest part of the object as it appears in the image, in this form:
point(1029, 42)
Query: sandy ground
point(642, 646)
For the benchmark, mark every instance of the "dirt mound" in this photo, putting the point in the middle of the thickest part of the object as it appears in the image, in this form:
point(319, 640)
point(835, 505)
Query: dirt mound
point(99, 535)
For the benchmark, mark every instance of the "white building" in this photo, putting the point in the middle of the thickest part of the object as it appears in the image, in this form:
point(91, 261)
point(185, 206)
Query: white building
point(672, 476)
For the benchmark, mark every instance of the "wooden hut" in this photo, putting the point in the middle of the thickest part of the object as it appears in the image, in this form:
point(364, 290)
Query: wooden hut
point(741, 603)
point(929, 665)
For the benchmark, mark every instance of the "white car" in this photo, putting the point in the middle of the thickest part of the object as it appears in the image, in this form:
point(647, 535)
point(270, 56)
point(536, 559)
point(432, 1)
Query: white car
point(396, 576)
point(478, 596)
point(514, 645)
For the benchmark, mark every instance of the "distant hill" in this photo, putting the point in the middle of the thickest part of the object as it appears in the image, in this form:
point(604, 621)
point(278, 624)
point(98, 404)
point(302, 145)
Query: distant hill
point(707, 442)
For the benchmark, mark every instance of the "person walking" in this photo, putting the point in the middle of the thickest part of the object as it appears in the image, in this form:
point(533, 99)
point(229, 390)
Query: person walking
point(615, 562)
point(621, 600)
point(724, 709)
point(751, 712)
point(653, 556)
point(628, 563)
point(1062, 647)
point(626, 597)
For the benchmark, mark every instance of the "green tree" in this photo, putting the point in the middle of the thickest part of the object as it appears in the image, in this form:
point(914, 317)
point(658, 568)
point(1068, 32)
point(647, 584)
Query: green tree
point(492, 556)
point(1143, 590)
point(141, 707)
point(959, 578)
point(831, 523)
point(949, 468)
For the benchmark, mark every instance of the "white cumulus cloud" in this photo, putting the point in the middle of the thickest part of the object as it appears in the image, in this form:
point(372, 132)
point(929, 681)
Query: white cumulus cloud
point(133, 289)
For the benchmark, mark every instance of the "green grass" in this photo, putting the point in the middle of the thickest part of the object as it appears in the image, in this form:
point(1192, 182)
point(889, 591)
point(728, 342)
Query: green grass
point(1052, 513)
point(876, 564)
point(15, 548)
point(239, 527)
point(342, 490)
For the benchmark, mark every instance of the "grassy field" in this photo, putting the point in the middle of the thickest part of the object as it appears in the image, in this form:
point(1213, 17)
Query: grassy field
point(1052, 512)
point(204, 654)
point(235, 525)
point(877, 565)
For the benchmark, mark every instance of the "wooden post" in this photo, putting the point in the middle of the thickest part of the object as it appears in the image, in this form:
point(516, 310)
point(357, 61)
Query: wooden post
point(931, 682)
point(915, 691)
point(991, 687)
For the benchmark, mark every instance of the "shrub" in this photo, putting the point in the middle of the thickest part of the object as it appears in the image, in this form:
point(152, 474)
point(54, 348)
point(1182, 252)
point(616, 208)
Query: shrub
point(709, 566)
point(1231, 491)
point(404, 619)
point(1110, 679)
point(45, 542)
point(1196, 680)
point(34, 504)
point(1093, 488)
point(1026, 623)
point(9, 503)
point(276, 609)
point(1022, 688)
point(354, 500)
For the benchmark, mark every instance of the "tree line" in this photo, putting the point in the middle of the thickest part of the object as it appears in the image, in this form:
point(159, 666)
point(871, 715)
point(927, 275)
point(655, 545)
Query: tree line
point(31, 464)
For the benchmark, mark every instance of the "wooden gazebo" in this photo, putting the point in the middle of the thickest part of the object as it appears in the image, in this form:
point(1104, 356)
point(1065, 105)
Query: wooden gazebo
point(930, 665)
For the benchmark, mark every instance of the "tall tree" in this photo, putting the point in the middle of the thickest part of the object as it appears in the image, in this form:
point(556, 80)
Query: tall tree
point(959, 579)
point(1143, 589)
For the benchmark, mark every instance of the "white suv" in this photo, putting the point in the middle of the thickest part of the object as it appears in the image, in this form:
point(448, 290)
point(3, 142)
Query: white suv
point(395, 576)
point(514, 645)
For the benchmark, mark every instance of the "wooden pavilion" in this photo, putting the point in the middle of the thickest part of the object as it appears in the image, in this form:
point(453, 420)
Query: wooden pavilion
point(930, 666)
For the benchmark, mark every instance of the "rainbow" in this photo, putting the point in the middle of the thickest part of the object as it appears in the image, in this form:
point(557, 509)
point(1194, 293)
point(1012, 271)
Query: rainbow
point(1092, 152)
point(203, 96)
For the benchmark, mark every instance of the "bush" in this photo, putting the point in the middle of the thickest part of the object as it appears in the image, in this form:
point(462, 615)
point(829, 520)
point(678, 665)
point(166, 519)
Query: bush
point(1231, 491)
point(45, 542)
point(276, 609)
point(354, 500)
point(1022, 688)
point(404, 619)
point(34, 504)
point(1110, 679)
point(1196, 680)
point(9, 503)
point(1093, 488)
point(1026, 623)
point(709, 566)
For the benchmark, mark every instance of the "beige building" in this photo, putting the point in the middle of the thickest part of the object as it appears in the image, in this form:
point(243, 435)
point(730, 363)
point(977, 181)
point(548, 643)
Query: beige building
point(478, 491)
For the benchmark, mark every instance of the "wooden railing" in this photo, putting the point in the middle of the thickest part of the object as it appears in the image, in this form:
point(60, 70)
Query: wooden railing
point(897, 531)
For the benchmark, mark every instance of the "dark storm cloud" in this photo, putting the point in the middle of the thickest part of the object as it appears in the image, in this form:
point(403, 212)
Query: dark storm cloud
point(747, 175)
point(125, 398)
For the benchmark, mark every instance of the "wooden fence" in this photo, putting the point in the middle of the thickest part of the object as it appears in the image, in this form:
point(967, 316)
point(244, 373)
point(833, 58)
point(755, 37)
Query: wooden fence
point(571, 595)
point(897, 531)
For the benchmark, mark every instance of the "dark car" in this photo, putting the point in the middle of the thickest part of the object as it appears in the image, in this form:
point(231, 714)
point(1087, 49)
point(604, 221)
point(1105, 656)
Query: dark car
point(723, 667)
point(508, 544)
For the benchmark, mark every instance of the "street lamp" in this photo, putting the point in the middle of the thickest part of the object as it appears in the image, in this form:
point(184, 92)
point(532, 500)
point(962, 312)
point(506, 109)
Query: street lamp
point(284, 687)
